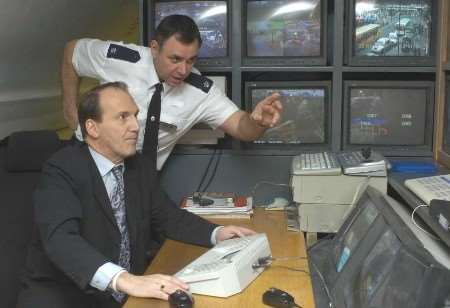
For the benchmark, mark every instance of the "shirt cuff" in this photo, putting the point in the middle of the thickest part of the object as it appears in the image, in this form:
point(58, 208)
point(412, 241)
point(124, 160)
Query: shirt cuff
point(213, 235)
point(104, 274)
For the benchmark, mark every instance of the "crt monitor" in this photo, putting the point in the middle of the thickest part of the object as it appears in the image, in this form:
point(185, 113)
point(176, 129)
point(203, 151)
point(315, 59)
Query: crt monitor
point(284, 32)
point(446, 135)
point(391, 32)
point(393, 117)
point(213, 20)
point(305, 118)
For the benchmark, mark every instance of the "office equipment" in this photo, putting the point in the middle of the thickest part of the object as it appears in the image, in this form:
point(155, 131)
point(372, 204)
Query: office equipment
point(181, 299)
point(278, 298)
point(379, 258)
point(393, 33)
point(446, 132)
point(305, 120)
point(440, 211)
point(284, 33)
point(407, 166)
point(174, 255)
point(392, 117)
point(323, 163)
point(213, 19)
point(227, 268)
point(429, 188)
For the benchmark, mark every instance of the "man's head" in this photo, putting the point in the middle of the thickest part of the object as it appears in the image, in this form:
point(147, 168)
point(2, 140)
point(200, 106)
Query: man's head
point(107, 116)
point(175, 48)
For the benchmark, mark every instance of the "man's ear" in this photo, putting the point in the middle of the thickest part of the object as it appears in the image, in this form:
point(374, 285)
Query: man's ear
point(92, 128)
point(154, 47)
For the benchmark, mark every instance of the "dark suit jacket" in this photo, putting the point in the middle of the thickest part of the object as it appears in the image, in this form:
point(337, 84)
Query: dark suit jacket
point(77, 229)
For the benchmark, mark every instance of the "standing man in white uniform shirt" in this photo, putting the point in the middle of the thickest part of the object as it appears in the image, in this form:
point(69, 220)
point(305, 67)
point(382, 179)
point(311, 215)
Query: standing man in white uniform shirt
point(187, 97)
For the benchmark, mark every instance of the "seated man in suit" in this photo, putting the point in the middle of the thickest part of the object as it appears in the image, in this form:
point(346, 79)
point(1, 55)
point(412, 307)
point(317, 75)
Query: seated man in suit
point(95, 209)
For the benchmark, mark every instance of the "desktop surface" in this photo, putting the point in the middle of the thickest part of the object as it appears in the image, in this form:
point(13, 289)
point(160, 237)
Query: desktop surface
point(175, 255)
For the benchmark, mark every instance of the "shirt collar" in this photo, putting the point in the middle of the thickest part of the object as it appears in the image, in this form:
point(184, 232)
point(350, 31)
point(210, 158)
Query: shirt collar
point(103, 164)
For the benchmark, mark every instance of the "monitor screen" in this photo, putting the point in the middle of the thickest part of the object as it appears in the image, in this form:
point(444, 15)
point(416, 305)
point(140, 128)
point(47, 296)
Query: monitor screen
point(355, 232)
point(287, 29)
point(304, 117)
point(391, 29)
point(446, 141)
point(389, 114)
point(211, 19)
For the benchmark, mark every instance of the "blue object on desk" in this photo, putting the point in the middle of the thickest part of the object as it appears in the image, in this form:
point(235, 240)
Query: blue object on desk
point(413, 166)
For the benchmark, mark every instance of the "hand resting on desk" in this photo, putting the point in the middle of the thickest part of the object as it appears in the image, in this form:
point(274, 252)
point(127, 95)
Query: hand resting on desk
point(156, 285)
point(227, 232)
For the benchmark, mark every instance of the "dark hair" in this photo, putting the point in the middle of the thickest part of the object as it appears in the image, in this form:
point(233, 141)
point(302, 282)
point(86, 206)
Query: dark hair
point(182, 26)
point(89, 107)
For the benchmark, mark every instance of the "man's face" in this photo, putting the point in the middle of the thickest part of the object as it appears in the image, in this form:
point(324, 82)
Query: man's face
point(174, 60)
point(115, 135)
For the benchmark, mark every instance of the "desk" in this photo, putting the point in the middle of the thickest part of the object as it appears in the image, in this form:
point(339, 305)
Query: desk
point(175, 255)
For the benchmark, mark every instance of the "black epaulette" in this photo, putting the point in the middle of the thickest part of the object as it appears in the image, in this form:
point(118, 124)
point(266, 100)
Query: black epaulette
point(201, 82)
point(120, 52)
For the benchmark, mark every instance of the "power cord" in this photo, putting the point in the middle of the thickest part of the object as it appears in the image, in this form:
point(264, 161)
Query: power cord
point(419, 227)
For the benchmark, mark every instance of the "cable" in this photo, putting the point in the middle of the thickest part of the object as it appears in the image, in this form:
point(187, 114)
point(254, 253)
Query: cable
point(266, 262)
point(213, 174)
point(419, 227)
point(206, 171)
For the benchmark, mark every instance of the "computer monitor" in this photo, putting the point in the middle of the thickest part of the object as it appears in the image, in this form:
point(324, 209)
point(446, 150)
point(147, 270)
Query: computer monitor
point(213, 19)
point(393, 264)
point(305, 118)
point(393, 117)
point(284, 32)
point(446, 135)
point(391, 32)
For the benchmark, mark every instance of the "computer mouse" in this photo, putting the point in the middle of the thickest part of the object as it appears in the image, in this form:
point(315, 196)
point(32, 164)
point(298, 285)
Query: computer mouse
point(181, 299)
point(278, 298)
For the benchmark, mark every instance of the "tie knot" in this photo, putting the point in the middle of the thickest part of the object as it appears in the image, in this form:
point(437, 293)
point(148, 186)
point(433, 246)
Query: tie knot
point(158, 87)
point(118, 172)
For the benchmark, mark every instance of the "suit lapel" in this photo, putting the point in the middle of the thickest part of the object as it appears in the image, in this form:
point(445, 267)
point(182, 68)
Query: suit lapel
point(100, 193)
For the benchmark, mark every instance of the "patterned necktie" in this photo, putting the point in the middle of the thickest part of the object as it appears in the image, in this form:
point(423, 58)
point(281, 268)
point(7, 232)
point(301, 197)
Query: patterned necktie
point(150, 145)
point(118, 207)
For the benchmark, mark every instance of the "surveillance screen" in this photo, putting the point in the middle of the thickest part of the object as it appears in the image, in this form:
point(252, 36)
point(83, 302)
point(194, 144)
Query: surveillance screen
point(303, 118)
point(388, 116)
point(392, 28)
point(283, 28)
point(211, 19)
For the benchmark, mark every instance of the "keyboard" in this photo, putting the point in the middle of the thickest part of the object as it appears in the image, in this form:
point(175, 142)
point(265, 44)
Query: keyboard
point(321, 163)
point(226, 269)
point(355, 163)
point(429, 188)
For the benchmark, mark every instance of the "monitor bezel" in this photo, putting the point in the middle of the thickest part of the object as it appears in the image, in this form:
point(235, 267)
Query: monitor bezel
point(391, 150)
point(216, 62)
point(294, 148)
point(354, 60)
point(320, 60)
point(445, 148)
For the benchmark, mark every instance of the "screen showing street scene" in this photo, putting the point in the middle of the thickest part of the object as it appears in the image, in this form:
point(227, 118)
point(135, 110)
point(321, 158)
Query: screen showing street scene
point(303, 117)
point(388, 116)
point(283, 28)
point(211, 19)
point(392, 28)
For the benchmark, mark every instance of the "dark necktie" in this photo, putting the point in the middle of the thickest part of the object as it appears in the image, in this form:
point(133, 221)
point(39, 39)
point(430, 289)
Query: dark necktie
point(150, 146)
point(118, 207)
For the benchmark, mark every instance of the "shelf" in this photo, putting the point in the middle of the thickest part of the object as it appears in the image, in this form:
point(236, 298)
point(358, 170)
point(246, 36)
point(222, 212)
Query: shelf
point(287, 69)
point(390, 69)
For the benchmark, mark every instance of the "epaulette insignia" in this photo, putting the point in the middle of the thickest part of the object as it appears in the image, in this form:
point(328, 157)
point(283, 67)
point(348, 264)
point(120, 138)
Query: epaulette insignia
point(120, 52)
point(201, 82)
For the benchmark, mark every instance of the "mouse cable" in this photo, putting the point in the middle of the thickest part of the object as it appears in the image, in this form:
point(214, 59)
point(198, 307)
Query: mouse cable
point(206, 170)
point(419, 227)
point(266, 262)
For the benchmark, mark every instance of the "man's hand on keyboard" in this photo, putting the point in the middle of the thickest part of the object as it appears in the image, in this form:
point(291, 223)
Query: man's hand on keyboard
point(231, 231)
point(155, 286)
